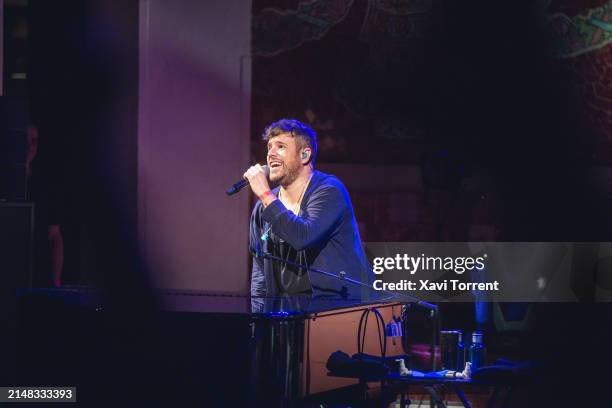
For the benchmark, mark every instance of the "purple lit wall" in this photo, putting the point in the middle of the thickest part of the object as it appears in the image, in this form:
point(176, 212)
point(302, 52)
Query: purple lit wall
point(193, 141)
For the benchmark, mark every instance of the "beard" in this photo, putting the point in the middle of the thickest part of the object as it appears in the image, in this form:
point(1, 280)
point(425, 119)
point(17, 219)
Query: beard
point(288, 174)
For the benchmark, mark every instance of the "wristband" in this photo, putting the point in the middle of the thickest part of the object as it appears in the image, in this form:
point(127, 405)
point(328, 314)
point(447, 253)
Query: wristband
point(267, 193)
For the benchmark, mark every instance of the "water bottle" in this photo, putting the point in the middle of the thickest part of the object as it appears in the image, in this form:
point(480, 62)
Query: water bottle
point(460, 352)
point(449, 342)
point(477, 351)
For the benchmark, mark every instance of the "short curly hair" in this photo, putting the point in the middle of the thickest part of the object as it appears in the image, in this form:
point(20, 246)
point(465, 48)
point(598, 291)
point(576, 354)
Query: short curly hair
point(306, 137)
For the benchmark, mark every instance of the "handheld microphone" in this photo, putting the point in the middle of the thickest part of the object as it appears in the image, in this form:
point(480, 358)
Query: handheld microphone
point(244, 182)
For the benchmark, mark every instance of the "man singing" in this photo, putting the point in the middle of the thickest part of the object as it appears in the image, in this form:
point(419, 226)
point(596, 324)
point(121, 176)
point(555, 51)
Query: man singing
point(307, 220)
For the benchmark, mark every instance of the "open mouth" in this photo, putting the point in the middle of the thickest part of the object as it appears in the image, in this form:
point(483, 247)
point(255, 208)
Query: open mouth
point(275, 164)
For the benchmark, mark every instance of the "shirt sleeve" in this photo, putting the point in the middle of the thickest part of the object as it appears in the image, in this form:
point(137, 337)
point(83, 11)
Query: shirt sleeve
point(258, 283)
point(324, 211)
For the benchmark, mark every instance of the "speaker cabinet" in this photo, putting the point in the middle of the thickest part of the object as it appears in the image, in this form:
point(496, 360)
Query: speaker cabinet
point(13, 145)
point(16, 243)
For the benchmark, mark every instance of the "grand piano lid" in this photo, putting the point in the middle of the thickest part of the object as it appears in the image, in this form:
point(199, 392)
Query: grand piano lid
point(281, 306)
point(305, 305)
point(194, 301)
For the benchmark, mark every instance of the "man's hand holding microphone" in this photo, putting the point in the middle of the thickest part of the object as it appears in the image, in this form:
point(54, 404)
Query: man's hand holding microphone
point(257, 176)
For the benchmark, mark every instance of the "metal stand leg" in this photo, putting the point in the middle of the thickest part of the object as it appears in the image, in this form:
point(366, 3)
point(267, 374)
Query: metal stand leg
point(461, 396)
point(439, 402)
point(405, 398)
point(493, 397)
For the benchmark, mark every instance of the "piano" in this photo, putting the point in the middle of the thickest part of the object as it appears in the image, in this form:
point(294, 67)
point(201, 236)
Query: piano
point(211, 349)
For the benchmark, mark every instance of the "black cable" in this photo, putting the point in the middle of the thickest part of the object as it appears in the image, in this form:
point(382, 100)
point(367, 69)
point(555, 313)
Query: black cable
point(362, 334)
point(362, 331)
point(359, 332)
point(382, 338)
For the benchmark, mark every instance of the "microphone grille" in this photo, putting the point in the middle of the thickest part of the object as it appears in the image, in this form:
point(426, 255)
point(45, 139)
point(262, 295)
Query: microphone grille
point(266, 169)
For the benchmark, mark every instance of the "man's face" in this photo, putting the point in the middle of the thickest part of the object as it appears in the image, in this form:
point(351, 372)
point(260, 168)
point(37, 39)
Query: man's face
point(283, 159)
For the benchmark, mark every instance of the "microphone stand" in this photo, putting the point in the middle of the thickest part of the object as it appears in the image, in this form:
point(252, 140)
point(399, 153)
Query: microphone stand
point(342, 277)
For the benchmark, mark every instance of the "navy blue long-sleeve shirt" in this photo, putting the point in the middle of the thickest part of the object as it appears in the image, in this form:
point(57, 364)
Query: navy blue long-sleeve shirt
point(323, 235)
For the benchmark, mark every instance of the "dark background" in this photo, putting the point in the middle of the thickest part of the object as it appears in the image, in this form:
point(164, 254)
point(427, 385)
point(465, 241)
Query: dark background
point(474, 91)
point(81, 91)
point(477, 97)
